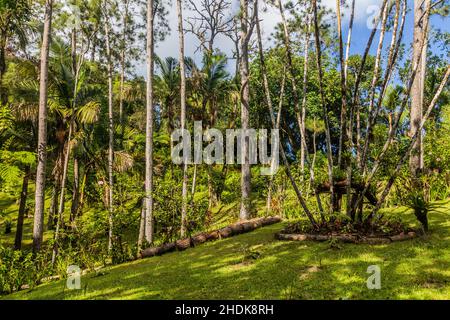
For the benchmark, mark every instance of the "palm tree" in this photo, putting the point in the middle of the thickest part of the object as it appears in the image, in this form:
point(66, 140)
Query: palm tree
point(183, 113)
point(209, 88)
point(167, 84)
point(148, 225)
point(110, 131)
point(42, 131)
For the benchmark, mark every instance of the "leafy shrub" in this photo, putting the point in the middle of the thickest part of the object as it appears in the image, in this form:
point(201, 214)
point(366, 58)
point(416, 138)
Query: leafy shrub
point(18, 268)
point(421, 207)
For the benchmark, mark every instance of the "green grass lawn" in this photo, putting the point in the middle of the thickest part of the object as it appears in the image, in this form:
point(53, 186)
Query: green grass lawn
point(10, 207)
point(416, 269)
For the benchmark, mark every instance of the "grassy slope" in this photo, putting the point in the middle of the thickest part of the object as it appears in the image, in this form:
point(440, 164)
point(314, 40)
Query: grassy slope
point(417, 269)
point(10, 207)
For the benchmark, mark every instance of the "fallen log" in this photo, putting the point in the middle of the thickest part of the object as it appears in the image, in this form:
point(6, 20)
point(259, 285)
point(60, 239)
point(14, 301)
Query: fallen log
point(375, 240)
point(403, 237)
point(248, 226)
point(213, 235)
point(229, 231)
point(237, 228)
point(225, 232)
point(270, 220)
point(150, 252)
point(199, 239)
point(183, 244)
point(166, 247)
point(347, 238)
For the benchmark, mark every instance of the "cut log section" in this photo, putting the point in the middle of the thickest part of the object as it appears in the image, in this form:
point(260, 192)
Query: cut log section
point(346, 238)
point(226, 232)
point(183, 244)
point(199, 239)
point(213, 235)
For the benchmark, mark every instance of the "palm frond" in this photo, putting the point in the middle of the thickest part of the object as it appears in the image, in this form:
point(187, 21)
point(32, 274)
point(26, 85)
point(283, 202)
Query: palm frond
point(88, 113)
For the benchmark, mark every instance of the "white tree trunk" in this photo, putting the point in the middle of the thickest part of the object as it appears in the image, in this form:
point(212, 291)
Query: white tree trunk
point(38, 226)
point(245, 99)
point(111, 138)
point(419, 54)
point(183, 114)
point(149, 128)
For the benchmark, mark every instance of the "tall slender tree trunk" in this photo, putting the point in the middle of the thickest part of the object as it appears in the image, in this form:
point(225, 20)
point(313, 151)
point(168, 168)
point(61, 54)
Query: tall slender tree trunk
point(183, 115)
point(149, 128)
point(349, 39)
point(3, 44)
point(276, 123)
point(141, 235)
point(123, 63)
point(351, 116)
point(303, 149)
point(245, 99)
point(60, 215)
point(22, 207)
point(323, 102)
point(292, 73)
point(82, 191)
point(38, 226)
point(357, 106)
point(419, 49)
point(53, 205)
point(280, 109)
point(75, 190)
point(111, 138)
point(373, 86)
point(343, 122)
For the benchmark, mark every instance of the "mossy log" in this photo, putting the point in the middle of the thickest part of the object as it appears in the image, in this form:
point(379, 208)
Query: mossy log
point(226, 232)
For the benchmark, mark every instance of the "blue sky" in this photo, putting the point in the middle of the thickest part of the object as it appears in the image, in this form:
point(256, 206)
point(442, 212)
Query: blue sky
point(364, 13)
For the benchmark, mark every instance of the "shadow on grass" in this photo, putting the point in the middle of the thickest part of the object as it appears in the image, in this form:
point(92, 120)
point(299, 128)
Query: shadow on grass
point(416, 269)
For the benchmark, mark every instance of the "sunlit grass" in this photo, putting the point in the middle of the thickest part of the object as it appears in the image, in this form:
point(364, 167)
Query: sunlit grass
point(416, 269)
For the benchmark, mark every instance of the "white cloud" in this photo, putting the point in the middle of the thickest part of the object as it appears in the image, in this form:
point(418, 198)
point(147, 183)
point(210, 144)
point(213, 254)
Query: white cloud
point(362, 7)
point(269, 19)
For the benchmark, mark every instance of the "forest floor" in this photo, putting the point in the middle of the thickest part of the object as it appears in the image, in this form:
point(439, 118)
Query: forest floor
point(256, 266)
